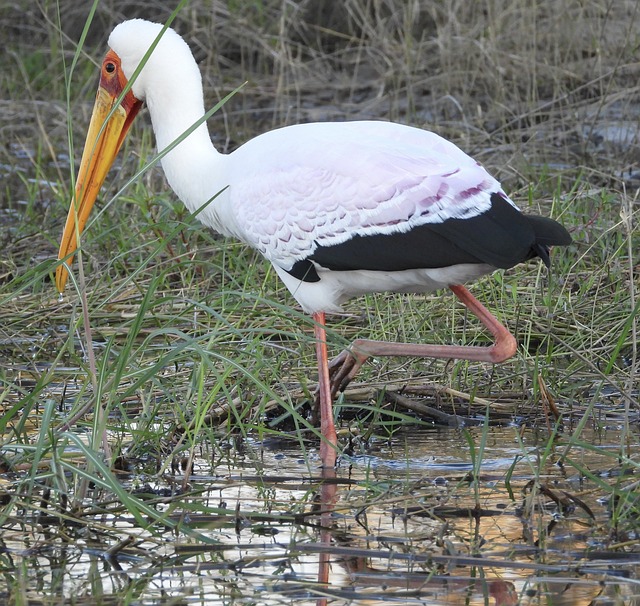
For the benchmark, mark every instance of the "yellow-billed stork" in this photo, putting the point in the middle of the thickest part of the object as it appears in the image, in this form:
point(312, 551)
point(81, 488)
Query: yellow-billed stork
point(339, 209)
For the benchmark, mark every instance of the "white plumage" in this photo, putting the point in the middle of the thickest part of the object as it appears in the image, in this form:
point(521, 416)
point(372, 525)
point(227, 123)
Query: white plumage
point(289, 190)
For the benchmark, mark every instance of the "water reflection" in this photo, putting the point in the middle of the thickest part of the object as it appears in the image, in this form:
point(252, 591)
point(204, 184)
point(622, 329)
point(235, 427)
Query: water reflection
point(408, 523)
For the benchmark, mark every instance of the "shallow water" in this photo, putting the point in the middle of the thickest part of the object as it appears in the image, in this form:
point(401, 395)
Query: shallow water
point(406, 524)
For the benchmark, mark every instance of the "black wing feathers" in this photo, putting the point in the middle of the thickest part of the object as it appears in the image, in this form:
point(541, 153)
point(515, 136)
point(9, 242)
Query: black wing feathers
point(501, 236)
point(547, 233)
point(420, 247)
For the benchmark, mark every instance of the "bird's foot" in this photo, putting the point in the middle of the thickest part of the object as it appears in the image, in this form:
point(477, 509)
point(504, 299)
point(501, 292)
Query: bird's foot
point(342, 370)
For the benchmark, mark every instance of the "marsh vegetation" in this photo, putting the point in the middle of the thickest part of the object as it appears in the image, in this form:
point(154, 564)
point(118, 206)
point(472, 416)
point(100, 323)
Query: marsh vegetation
point(180, 355)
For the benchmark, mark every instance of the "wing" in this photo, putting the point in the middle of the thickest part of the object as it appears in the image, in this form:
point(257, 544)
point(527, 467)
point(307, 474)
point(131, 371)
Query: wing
point(315, 187)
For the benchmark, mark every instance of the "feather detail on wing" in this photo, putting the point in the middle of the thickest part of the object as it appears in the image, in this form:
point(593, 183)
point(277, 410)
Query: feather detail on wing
point(383, 179)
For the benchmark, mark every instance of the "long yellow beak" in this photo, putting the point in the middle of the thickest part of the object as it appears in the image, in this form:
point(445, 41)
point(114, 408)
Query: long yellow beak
point(103, 141)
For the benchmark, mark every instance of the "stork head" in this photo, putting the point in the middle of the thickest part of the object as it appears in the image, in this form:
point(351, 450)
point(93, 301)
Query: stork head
point(161, 70)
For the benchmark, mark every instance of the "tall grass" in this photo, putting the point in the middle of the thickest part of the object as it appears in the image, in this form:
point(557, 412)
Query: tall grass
point(526, 89)
point(197, 346)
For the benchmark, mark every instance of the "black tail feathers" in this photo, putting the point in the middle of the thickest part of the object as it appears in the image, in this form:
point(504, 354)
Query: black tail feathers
point(548, 233)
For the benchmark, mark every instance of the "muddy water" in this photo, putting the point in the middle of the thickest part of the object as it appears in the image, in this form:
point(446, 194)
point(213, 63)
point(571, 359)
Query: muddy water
point(405, 523)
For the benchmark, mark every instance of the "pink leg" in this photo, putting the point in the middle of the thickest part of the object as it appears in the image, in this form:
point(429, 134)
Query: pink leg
point(345, 367)
point(329, 444)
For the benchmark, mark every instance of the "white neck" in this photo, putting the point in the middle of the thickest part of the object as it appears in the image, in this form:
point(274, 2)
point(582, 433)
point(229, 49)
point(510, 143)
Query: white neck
point(171, 85)
point(194, 169)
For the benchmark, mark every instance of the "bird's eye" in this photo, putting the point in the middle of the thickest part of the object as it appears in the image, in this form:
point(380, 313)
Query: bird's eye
point(110, 67)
